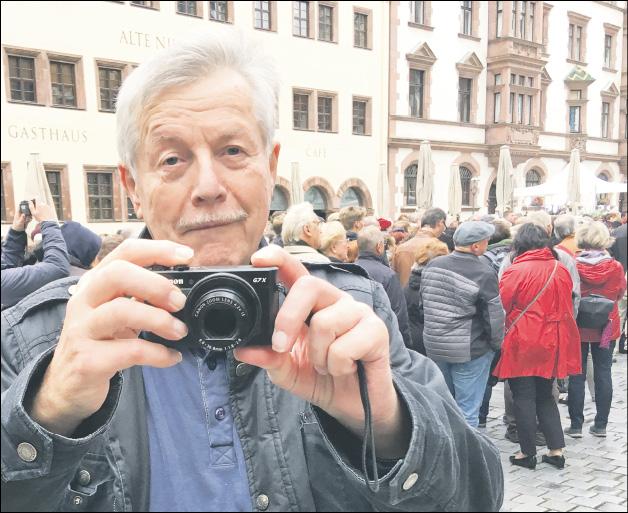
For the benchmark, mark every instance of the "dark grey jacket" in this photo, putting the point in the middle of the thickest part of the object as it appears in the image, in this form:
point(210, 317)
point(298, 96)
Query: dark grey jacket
point(19, 281)
point(296, 456)
point(463, 313)
point(620, 248)
point(379, 271)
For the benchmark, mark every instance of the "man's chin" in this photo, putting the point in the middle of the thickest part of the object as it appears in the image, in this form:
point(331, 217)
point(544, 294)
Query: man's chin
point(219, 252)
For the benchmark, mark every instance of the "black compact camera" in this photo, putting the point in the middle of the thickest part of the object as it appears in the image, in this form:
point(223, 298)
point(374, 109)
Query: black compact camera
point(226, 307)
point(25, 209)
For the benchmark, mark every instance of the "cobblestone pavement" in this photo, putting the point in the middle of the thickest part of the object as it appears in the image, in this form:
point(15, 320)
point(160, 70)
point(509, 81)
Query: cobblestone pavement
point(594, 477)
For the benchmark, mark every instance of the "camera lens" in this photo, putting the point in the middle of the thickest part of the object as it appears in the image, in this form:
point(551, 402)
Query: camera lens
point(220, 322)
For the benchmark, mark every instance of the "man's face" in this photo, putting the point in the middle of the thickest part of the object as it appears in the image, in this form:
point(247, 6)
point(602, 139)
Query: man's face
point(204, 177)
point(312, 234)
point(440, 228)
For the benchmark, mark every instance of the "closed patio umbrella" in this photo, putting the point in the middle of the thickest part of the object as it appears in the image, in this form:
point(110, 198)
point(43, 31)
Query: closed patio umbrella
point(504, 185)
point(455, 191)
point(425, 177)
point(36, 186)
point(573, 181)
point(382, 191)
point(296, 186)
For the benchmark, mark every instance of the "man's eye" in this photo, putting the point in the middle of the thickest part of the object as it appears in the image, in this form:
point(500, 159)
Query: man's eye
point(171, 161)
point(233, 151)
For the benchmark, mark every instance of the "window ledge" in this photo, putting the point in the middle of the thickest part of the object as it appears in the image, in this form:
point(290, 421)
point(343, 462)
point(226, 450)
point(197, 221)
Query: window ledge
point(274, 31)
point(327, 41)
point(107, 111)
point(362, 47)
point(67, 107)
point(327, 131)
point(190, 15)
point(609, 70)
point(303, 129)
point(468, 36)
point(303, 37)
point(20, 102)
point(227, 22)
point(420, 26)
point(579, 63)
point(363, 135)
point(149, 7)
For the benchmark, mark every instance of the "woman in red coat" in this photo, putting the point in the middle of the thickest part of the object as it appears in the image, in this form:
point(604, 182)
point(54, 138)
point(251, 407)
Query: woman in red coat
point(599, 274)
point(541, 341)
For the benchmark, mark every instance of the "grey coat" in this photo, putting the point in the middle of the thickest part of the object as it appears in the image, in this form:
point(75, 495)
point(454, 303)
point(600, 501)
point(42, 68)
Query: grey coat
point(297, 457)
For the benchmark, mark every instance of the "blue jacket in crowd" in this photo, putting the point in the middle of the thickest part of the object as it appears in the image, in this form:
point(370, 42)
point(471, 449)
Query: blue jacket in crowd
point(19, 281)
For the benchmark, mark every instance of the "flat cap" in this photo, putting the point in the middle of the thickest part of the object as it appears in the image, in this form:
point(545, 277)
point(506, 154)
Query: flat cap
point(473, 231)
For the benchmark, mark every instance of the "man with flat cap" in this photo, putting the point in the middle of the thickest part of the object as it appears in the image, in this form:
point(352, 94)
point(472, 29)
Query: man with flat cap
point(464, 317)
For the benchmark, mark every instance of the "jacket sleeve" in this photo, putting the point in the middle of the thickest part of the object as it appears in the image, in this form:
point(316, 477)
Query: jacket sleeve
point(402, 264)
point(570, 264)
point(506, 263)
point(399, 306)
point(13, 249)
point(492, 309)
point(449, 466)
point(19, 282)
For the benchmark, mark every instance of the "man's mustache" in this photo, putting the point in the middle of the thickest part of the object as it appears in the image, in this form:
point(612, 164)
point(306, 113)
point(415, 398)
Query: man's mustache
point(207, 220)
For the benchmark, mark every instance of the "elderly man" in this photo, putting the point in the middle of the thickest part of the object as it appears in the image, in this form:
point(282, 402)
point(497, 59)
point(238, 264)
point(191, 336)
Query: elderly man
point(463, 316)
point(371, 243)
point(301, 233)
point(96, 417)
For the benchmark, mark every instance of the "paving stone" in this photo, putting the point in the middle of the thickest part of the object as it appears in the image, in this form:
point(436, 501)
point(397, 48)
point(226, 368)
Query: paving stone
point(554, 505)
point(609, 507)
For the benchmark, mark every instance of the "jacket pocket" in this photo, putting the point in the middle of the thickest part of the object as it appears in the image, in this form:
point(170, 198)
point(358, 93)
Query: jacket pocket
point(92, 488)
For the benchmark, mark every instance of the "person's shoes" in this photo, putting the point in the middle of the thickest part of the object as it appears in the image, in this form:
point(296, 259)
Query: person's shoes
point(540, 439)
point(563, 399)
point(505, 420)
point(556, 461)
point(573, 432)
point(513, 436)
point(482, 422)
point(527, 462)
point(622, 344)
point(599, 432)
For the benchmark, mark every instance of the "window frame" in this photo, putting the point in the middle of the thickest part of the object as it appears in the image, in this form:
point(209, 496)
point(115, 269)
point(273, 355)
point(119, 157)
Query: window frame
point(9, 196)
point(11, 56)
point(421, 89)
point(409, 179)
point(367, 115)
point(116, 203)
point(309, 7)
point(64, 182)
point(228, 11)
point(468, 180)
point(368, 27)
point(466, 6)
point(198, 7)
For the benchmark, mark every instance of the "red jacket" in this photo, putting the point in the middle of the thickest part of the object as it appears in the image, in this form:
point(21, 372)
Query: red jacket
point(545, 341)
point(603, 276)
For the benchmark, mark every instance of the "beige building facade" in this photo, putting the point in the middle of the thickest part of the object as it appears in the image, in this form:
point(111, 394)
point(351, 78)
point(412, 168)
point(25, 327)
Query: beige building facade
point(62, 63)
point(542, 78)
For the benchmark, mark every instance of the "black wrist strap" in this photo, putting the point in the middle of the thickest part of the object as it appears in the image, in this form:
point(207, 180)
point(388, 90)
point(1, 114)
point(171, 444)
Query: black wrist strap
point(369, 437)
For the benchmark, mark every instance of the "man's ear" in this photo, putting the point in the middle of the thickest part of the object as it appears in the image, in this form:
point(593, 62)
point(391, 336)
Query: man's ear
point(273, 160)
point(130, 187)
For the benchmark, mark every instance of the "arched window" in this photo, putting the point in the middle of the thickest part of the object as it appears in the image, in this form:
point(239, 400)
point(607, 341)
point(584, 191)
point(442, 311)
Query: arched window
point(352, 196)
point(492, 198)
point(465, 181)
point(280, 199)
point(604, 198)
point(533, 177)
point(409, 185)
point(317, 198)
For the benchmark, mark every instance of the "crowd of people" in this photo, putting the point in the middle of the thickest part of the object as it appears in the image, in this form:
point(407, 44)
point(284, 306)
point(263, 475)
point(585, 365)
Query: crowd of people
point(493, 298)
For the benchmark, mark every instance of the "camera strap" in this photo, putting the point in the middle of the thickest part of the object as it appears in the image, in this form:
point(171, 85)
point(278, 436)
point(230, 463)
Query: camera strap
point(369, 437)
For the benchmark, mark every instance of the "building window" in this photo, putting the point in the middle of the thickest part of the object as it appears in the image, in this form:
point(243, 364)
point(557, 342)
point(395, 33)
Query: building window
point(359, 117)
point(351, 197)
point(100, 196)
point(608, 50)
point(467, 17)
point(317, 198)
point(300, 111)
point(262, 15)
point(532, 9)
point(409, 185)
point(110, 80)
point(360, 30)
point(300, 19)
point(418, 12)
point(3, 204)
point(325, 22)
point(54, 184)
point(575, 42)
point(513, 19)
point(218, 11)
point(511, 107)
point(187, 8)
point(417, 77)
point(498, 79)
point(605, 115)
point(574, 118)
point(500, 18)
point(529, 109)
point(522, 20)
point(325, 113)
point(143, 4)
point(603, 199)
point(465, 181)
point(533, 178)
point(22, 78)
point(464, 99)
point(63, 84)
point(513, 79)
point(497, 107)
point(279, 200)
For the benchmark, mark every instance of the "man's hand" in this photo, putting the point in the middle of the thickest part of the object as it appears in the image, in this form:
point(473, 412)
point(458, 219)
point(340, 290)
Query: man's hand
point(42, 212)
point(20, 221)
point(318, 363)
point(102, 322)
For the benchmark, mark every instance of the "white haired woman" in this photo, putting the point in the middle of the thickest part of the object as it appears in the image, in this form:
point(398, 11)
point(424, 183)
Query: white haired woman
point(334, 244)
point(600, 274)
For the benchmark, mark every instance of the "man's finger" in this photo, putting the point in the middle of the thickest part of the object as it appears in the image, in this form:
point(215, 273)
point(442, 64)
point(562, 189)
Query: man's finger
point(123, 314)
point(290, 268)
point(111, 356)
point(307, 294)
point(145, 252)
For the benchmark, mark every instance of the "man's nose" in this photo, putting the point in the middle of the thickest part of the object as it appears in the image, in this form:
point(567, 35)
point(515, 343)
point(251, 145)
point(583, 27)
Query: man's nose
point(208, 188)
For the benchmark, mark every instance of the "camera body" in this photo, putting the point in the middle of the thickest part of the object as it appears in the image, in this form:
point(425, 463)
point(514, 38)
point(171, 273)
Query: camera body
point(226, 307)
point(25, 209)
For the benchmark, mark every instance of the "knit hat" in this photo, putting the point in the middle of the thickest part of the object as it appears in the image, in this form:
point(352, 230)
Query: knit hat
point(83, 244)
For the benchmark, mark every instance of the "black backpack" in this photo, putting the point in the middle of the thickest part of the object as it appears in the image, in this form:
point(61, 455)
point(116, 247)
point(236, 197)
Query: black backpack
point(594, 311)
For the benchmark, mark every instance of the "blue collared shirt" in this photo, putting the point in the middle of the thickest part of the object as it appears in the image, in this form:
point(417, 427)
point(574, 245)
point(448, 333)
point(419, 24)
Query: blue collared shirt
point(196, 460)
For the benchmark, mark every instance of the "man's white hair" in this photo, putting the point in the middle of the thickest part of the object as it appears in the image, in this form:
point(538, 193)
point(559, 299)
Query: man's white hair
point(593, 235)
point(540, 218)
point(188, 62)
point(297, 217)
point(369, 238)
